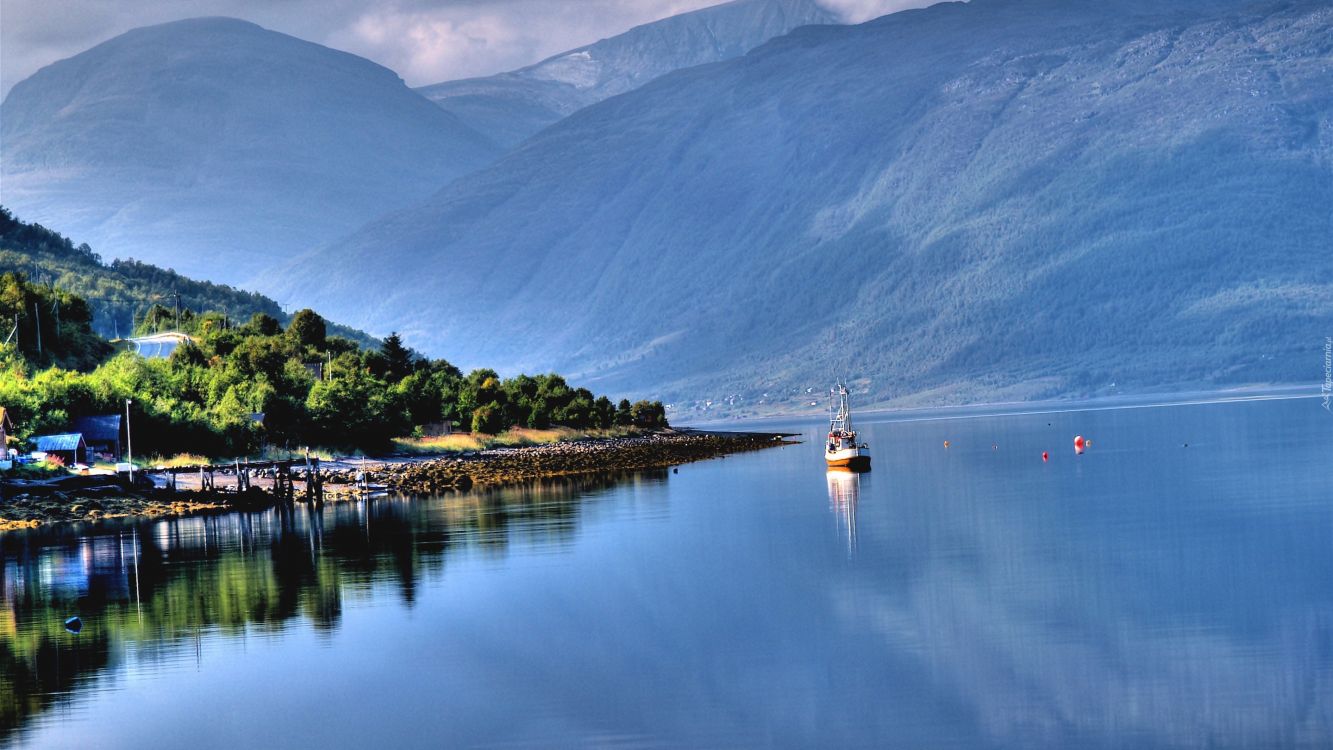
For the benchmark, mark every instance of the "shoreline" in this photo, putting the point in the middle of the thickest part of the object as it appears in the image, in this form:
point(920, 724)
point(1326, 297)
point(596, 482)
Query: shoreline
point(909, 412)
point(29, 506)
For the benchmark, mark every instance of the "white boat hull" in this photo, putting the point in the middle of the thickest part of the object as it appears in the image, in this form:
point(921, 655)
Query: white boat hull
point(852, 458)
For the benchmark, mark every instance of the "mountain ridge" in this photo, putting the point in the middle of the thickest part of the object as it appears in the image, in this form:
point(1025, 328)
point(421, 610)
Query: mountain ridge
point(513, 105)
point(212, 145)
point(963, 199)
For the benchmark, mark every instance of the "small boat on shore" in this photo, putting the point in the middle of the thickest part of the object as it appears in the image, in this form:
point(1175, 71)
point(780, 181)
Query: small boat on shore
point(841, 449)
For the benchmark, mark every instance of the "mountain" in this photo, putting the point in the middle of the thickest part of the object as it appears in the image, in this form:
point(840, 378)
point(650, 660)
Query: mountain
point(217, 147)
point(509, 107)
point(997, 199)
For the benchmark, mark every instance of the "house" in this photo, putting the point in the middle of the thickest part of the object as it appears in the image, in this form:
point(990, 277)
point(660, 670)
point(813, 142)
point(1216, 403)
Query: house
point(6, 427)
point(104, 434)
point(69, 447)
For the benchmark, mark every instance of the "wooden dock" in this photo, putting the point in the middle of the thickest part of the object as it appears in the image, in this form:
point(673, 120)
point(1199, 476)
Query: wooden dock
point(287, 480)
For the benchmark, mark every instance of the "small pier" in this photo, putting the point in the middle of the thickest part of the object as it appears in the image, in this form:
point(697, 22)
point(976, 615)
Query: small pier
point(286, 480)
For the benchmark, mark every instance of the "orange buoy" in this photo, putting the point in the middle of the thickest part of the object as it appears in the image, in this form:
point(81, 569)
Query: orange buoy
point(946, 443)
point(1045, 456)
point(1079, 444)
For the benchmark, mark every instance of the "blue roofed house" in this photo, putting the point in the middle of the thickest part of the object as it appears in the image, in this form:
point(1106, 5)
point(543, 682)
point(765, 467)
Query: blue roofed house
point(70, 447)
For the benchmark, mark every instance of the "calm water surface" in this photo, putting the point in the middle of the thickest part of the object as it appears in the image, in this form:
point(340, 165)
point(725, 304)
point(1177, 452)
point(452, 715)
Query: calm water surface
point(1143, 595)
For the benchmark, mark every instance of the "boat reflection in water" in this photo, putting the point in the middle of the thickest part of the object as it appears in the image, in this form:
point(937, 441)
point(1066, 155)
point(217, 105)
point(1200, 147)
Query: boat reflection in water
point(844, 489)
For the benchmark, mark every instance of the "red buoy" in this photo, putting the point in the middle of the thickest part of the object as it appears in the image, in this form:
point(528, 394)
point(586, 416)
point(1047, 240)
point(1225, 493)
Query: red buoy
point(1079, 444)
point(1045, 456)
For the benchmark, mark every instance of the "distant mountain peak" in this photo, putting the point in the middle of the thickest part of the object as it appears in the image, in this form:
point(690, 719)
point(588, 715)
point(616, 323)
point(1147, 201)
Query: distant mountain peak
point(512, 106)
point(213, 139)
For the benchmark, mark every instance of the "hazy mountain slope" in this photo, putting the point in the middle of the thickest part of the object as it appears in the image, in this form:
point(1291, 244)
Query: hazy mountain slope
point(509, 107)
point(216, 147)
point(997, 198)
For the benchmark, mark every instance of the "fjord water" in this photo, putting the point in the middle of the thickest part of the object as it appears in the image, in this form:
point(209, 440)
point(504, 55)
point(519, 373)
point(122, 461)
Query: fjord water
point(1145, 594)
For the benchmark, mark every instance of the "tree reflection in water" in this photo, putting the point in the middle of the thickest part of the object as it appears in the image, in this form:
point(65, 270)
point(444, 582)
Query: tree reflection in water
point(152, 586)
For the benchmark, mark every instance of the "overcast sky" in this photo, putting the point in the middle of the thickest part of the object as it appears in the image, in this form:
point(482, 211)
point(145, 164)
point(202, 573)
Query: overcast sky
point(425, 41)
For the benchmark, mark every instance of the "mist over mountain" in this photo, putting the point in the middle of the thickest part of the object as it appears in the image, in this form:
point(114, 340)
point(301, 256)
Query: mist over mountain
point(217, 147)
point(511, 106)
point(984, 200)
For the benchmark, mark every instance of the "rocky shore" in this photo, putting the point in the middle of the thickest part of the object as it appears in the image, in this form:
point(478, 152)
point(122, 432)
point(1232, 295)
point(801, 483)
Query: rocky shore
point(504, 466)
point(31, 504)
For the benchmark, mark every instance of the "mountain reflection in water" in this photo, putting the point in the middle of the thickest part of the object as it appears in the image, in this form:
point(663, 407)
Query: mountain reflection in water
point(1141, 594)
point(148, 587)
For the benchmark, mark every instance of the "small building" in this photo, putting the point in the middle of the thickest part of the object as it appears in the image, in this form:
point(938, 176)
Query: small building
point(6, 427)
point(104, 434)
point(69, 447)
point(437, 429)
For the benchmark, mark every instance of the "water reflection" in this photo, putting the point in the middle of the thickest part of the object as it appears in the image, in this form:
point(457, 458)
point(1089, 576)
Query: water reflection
point(146, 588)
point(844, 490)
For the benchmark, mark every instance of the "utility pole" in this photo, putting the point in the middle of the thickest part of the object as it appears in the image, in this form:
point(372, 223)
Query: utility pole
point(37, 312)
point(129, 444)
point(177, 295)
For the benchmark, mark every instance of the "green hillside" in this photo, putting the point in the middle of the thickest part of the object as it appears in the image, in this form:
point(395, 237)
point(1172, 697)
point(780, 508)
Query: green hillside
point(117, 293)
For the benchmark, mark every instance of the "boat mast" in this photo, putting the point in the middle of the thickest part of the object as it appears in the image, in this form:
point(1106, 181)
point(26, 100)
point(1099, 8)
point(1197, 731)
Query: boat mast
point(842, 418)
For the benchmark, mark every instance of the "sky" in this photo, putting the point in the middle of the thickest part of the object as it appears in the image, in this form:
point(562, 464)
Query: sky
point(425, 41)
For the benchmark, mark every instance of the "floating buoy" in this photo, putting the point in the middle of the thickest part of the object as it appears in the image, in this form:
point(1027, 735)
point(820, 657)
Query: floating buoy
point(946, 444)
point(74, 624)
point(994, 447)
point(1079, 444)
point(1045, 456)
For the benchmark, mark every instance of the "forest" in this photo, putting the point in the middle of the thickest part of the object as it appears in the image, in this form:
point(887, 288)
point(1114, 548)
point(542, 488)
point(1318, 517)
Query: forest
point(234, 388)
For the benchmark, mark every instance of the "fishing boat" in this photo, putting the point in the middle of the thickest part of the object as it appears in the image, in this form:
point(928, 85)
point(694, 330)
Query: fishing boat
point(841, 450)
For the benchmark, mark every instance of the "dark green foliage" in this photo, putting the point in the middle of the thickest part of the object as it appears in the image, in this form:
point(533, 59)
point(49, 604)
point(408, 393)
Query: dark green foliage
point(49, 326)
point(308, 329)
point(649, 414)
point(488, 418)
point(310, 389)
point(397, 358)
point(263, 325)
point(624, 415)
point(208, 396)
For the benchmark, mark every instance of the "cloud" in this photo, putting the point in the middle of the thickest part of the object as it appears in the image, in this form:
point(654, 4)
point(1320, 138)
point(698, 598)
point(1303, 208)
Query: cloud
point(859, 11)
point(427, 44)
point(425, 41)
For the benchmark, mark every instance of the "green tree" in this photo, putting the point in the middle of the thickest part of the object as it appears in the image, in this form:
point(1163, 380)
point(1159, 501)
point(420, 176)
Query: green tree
point(263, 324)
point(624, 416)
point(398, 359)
point(308, 329)
point(488, 419)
